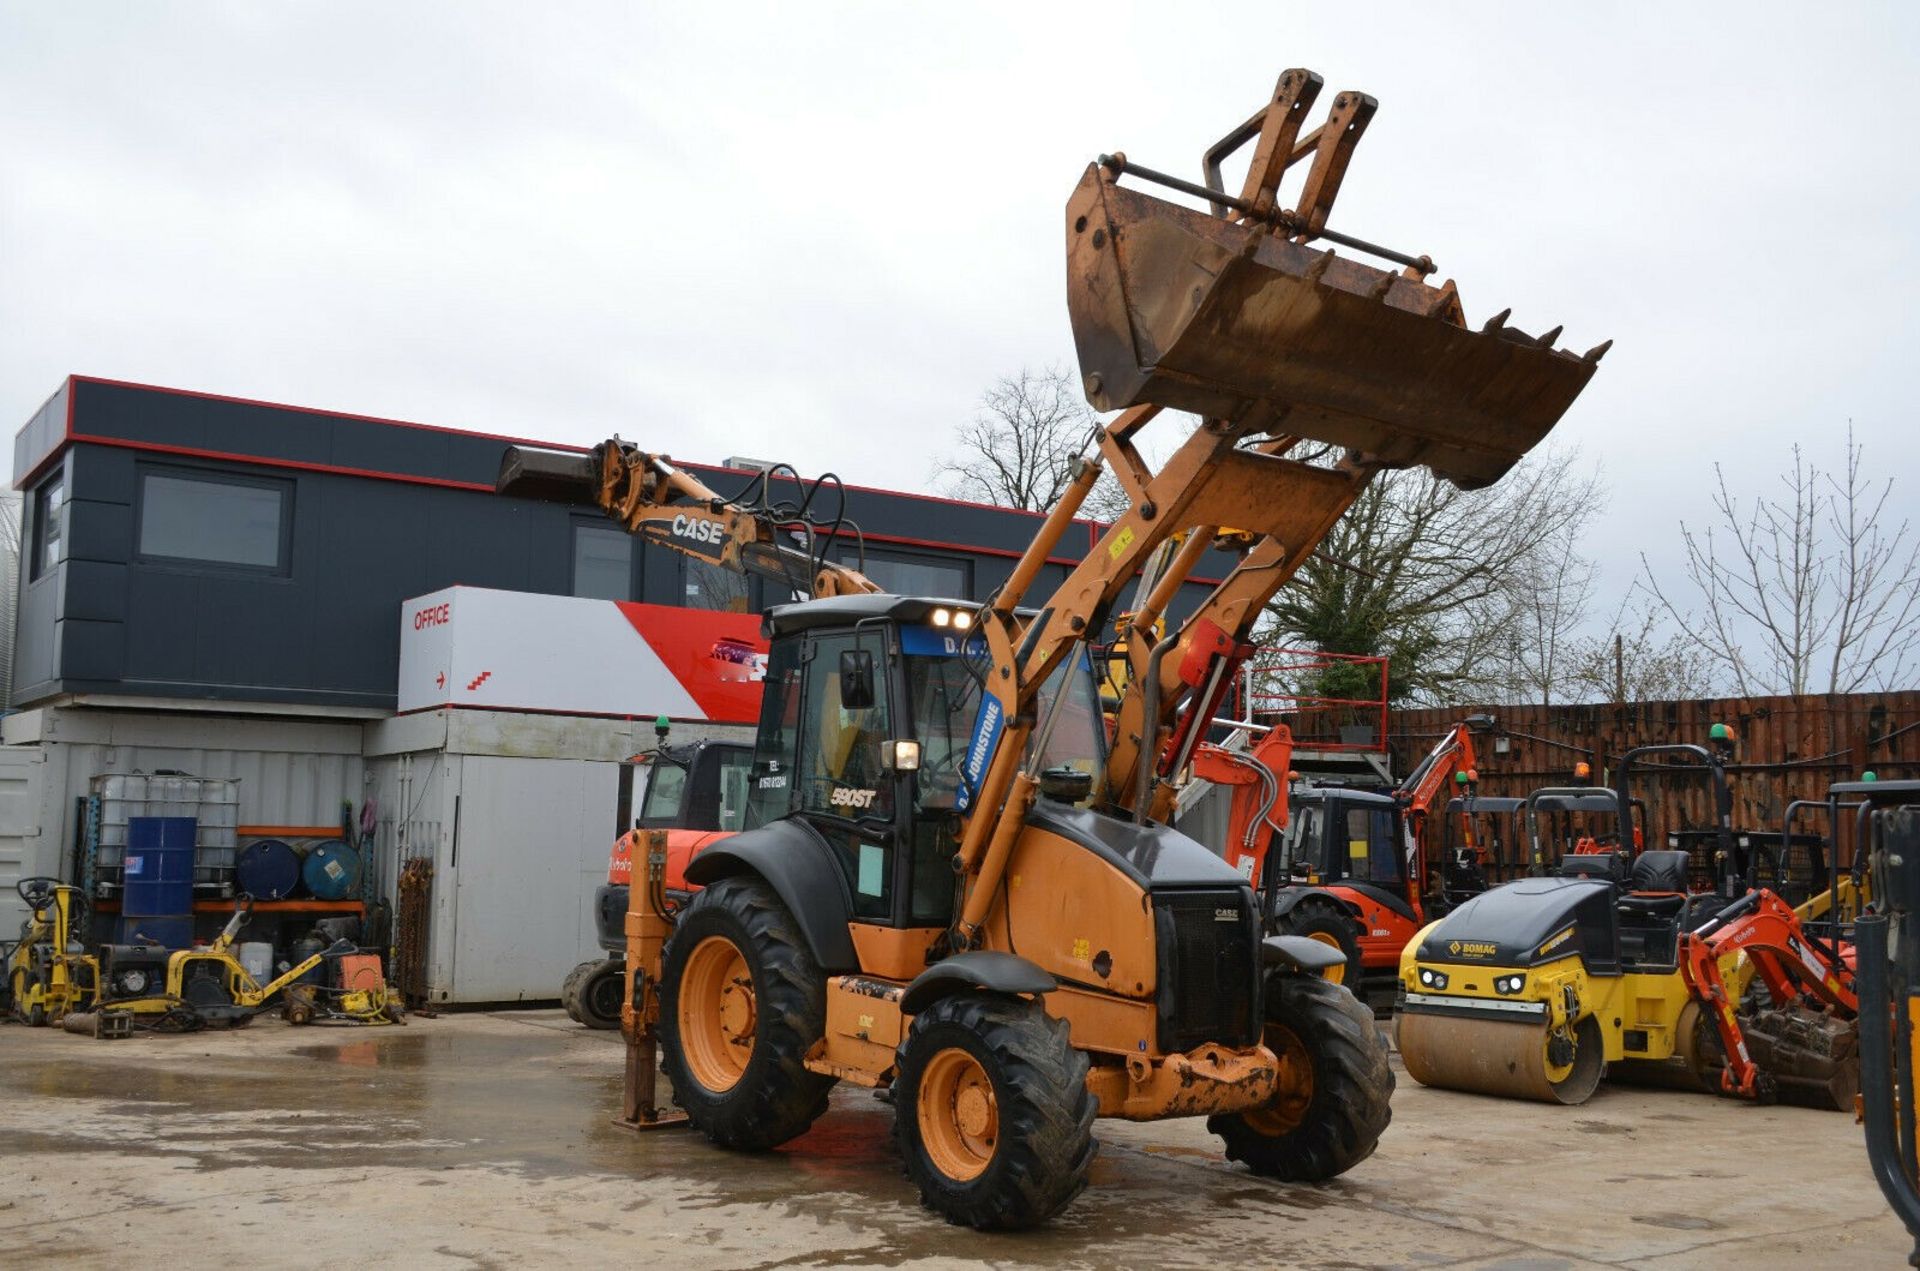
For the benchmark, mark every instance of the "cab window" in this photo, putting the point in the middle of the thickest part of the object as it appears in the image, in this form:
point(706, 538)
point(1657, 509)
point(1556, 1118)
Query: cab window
point(666, 791)
point(1373, 849)
point(841, 772)
point(735, 782)
point(770, 790)
point(843, 784)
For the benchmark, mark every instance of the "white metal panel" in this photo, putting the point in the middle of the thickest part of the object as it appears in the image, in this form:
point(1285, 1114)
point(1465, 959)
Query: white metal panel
point(529, 847)
point(519, 651)
point(24, 850)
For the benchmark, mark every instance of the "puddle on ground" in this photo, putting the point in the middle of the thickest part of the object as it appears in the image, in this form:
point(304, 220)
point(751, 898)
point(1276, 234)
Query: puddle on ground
point(446, 1100)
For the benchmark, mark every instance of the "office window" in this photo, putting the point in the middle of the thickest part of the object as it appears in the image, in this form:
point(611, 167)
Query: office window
point(716, 587)
point(602, 562)
point(215, 520)
point(49, 524)
point(914, 573)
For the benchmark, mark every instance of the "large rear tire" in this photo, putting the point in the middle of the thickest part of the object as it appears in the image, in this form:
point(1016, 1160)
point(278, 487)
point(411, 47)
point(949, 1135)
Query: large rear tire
point(594, 991)
point(1336, 1084)
point(741, 1002)
point(1333, 927)
point(992, 1112)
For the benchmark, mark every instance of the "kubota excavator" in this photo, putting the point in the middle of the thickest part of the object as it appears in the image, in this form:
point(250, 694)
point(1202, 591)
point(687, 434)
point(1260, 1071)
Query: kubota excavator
point(1353, 866)
point(951, 888)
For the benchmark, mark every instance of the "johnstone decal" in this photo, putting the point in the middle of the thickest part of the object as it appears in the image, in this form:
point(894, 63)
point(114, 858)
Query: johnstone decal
point(987, 727)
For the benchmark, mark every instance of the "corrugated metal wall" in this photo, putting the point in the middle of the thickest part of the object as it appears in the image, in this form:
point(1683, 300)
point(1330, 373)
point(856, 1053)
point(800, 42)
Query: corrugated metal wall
point(290, 773)
point(1790, 748)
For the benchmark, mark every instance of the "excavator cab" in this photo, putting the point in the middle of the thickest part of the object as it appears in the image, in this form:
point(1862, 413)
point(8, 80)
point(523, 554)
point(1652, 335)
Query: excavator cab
point(1352, 837)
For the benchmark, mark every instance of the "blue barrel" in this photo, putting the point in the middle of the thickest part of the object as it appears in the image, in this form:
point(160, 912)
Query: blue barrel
point(159, 867)
point(267, 870)
point(332, 871)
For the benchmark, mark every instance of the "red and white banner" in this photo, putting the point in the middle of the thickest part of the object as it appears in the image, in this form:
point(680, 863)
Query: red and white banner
point(511, 650)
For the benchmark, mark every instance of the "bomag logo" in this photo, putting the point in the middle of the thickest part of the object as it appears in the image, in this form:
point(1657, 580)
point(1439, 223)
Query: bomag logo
point(845, 798)
point(1471, 949)
point(697, 529)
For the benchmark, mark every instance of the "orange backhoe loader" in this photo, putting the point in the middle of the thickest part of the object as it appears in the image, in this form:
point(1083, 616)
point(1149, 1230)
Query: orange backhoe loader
point(951, 887)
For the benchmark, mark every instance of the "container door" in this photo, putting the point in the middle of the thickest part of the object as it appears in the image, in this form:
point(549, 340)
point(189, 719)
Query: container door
point(529, 846)
point(22, 772)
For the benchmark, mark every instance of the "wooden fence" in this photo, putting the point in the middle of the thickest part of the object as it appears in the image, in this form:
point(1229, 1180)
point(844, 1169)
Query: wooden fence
point(1789, 748)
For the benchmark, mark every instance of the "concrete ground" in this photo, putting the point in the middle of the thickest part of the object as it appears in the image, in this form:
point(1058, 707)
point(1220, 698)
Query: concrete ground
point(487, 1140)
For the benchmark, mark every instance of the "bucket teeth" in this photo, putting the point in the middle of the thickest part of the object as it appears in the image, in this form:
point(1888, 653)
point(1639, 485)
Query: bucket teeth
point(1496, 322)
point(1175, 308)
point(1546, 341)
point(1593, 355)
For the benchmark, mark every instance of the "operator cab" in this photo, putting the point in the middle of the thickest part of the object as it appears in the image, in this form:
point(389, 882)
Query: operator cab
point(867, 727)
point(1352, 838)
point(699, 786)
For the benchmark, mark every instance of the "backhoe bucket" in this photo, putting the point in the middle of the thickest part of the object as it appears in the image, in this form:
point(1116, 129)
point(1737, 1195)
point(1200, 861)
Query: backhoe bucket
point(1177, 308)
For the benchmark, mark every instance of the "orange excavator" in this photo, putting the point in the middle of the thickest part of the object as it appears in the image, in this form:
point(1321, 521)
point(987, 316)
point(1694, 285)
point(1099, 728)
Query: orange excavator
point(1353, 866)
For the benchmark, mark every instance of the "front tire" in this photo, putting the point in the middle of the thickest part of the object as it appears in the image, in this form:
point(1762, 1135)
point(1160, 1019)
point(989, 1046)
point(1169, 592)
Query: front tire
point(992, 1112)
point(594, 992)
point(1336, 1084)
point(741, 1002)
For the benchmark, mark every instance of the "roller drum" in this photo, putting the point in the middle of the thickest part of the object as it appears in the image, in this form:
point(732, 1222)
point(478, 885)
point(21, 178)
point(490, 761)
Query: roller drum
point(1495, 1057)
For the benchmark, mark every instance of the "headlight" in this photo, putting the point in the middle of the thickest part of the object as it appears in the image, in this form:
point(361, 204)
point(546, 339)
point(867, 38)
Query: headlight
point(1433, 979)
point(1509, 984)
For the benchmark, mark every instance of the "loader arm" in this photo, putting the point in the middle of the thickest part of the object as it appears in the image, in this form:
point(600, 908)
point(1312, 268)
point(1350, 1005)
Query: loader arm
point(648, 496)
point(1230, 314)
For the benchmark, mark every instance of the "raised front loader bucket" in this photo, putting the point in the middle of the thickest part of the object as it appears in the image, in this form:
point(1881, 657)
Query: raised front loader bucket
point(1177, 308)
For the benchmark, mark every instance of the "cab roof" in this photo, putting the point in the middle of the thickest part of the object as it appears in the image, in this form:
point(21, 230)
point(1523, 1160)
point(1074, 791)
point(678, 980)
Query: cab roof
point(845, 611)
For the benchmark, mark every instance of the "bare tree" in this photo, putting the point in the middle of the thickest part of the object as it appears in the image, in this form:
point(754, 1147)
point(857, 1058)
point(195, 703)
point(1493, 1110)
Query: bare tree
point(1018, 449)
point(1638, 659)
point(1547, 602)
point(1804, 592)
point(1433, 577)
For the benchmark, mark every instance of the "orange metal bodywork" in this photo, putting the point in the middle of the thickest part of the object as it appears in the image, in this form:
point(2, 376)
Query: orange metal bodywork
point(682, 845)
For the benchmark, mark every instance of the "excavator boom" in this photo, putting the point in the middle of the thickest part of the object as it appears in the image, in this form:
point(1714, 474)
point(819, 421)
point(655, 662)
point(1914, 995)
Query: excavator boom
point(663, 504)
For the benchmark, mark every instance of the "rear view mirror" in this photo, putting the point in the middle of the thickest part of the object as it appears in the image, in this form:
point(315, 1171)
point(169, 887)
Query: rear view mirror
point(856, 680)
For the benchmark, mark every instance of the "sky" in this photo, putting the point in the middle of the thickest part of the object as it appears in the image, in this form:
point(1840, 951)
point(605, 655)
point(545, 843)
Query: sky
point(817, 233)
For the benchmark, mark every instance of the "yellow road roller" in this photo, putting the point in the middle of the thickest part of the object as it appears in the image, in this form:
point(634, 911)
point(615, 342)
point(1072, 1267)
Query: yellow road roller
point(1532, 989)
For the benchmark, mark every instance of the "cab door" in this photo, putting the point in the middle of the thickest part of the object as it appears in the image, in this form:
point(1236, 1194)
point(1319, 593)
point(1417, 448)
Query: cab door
point(844, 788)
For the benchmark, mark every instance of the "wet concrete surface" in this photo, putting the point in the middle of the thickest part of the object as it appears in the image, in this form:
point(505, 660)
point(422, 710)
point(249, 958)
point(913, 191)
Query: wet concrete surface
point(487, 1140)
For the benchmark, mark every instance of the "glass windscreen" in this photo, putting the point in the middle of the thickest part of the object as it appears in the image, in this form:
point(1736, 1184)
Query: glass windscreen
point(946, 698)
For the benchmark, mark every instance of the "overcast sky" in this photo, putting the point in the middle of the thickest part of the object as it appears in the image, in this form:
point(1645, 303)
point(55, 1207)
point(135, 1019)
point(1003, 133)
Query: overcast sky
point(818, 233)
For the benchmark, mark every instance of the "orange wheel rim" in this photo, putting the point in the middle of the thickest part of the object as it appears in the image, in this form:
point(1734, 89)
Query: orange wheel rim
point(1336, 974)
point(958, 1114)
point(717, 1014)
point(1293, 1089)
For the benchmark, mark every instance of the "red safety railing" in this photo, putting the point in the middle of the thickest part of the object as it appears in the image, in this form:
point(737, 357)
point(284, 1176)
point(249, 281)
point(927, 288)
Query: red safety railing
point(1331, 701)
